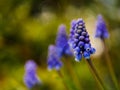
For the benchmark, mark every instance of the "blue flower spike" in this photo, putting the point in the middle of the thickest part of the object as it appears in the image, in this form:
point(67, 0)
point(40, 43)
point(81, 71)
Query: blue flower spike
point(82, 47)
point(71, 36)
point(53, 58)
point(101, 28)
point(79, 40)
point(30, 78)
point(62, 42)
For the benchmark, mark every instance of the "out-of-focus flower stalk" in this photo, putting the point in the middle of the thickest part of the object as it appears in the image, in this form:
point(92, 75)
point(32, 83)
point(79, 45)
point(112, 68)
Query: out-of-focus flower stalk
point(109, 65)
point(63, 79)
point(72, 73)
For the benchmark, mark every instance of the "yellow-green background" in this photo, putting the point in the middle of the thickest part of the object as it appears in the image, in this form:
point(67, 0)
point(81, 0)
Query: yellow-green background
point(27, 27)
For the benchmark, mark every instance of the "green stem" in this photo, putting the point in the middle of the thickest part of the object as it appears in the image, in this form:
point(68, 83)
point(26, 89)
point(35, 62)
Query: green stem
point(95, 73)
point(110, 66)
point(72, 73)
point(60, 74)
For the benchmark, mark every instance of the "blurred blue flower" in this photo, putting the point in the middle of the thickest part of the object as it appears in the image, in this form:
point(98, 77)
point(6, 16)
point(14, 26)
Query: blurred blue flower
point(62, 45)
point(101, 29)
point(72, 33)
point(53, 58)
point(79, 40)
point(30, 77)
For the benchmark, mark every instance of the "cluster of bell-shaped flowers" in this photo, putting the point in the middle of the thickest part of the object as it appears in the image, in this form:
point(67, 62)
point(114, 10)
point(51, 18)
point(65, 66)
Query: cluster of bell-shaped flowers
point(57, 51)
point(62, 45)
point(53, 58)
point(101, 28)
point(30, 78)
point(79, 40)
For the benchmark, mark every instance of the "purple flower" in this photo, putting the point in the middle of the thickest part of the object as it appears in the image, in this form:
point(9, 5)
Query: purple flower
point(72, 33)
point(62, 45)
point(30, 66)
point(30, 77)
point(53, 58)
point(101, 29)
point(80, 41)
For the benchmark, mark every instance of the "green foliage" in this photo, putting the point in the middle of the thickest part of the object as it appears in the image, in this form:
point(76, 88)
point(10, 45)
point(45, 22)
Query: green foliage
point(27, 27)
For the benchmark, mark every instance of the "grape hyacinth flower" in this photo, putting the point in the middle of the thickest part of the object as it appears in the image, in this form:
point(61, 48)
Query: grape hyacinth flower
point(102, 33)
point(30, 78)
point(62, 42)
point(71, 39)
point(64, 49)
point(79, 40)
point(101, 29)
point(54, 61)
point(53, 58)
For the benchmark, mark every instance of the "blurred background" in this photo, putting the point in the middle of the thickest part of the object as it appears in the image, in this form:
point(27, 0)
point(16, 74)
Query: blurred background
point(27, 27)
